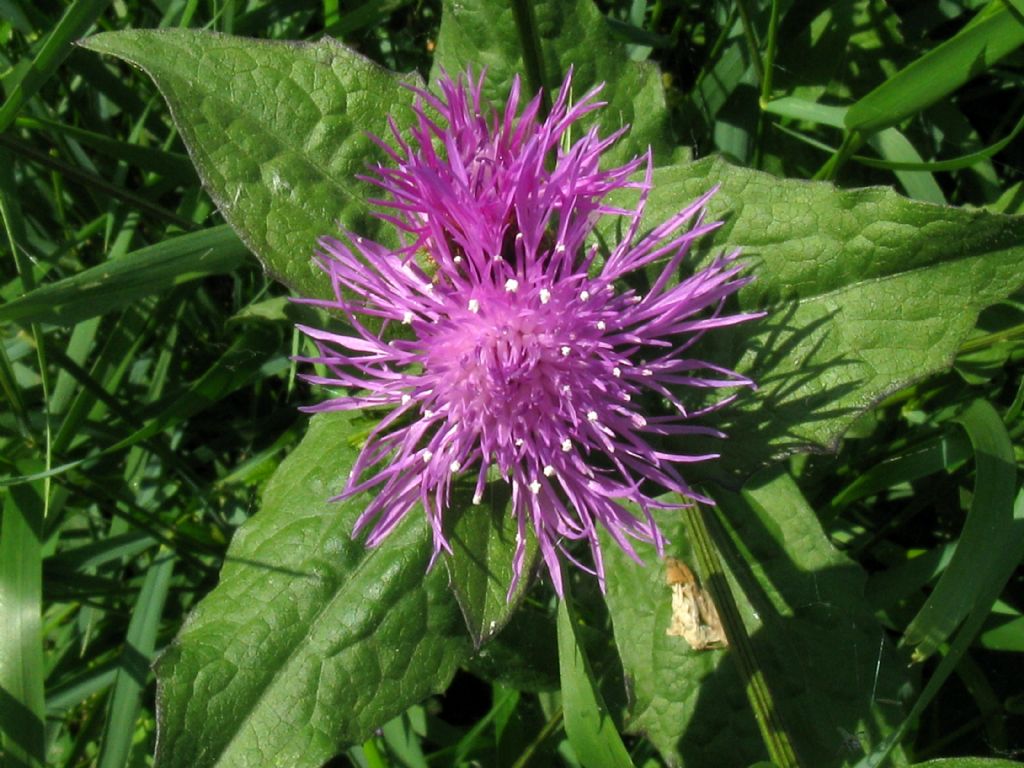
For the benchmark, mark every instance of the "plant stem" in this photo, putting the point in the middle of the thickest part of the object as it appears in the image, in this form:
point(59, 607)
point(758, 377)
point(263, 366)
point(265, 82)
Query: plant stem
point(851, 143)
point(769, 55)
point(533, 59)
point(769, 720)
point(991, 339)
point(550, 727)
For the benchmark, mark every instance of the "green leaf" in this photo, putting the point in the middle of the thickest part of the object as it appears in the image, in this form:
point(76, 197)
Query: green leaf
point(588, 724)
point(483, 540)
point(995, 32)
point(990, 519)
point(524, 656)
point(690, 705)
point(121, 282)
point(310, 640)
point(277, 132)
point(571, 34)
point(821, 651)
point(865, 292)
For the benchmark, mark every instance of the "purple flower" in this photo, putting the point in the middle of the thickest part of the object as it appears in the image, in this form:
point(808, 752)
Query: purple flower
point(503, 339)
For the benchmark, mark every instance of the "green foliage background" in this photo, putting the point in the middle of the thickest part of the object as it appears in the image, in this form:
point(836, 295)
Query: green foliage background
point(150, 394)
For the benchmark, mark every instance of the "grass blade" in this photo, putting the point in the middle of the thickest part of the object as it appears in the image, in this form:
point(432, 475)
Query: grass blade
point(995, 32)
point(107, 287)
point(94, 182)
point(591, 731)
point(936, 455)
point(974, 569)
point(174, 166)
point(75, 22)
point(893, 146)
point(986, 596)
point(22, 704)
point(139, 646)
point(70, 693)
point(239, 363)
point(803, 109)
point(990, 525)
point(799, 111)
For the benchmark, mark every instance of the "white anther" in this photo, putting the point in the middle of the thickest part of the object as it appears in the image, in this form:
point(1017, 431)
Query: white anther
point(627, 397)
point(549, 471)
point(477, 498)
point(584, 295)
point(407, 318)
point(560, 248)
point(457, 259)
point(591, 415)
point(601, 325)
point(427, 456)
point(646, 372)
point(637, 299)
point(535, 487)
point(427, 413)
point(511, 285)
point(519, 442)
point(566, 445)
point(565, 351)
point(474, 306)
point(406, 398)
point(455, 466)
point(519, 236)
point(616, 372)
point(566, 389)
point(545, 295)
point(428, 288)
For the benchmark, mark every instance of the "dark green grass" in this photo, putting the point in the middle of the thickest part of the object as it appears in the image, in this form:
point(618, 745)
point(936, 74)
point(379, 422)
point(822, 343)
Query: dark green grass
point(148, 386)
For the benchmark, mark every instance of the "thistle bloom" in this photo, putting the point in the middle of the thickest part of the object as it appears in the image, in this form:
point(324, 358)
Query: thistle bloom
point(503, 338)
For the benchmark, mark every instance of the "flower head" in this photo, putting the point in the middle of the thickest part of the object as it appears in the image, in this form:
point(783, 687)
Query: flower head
point(523, 352)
